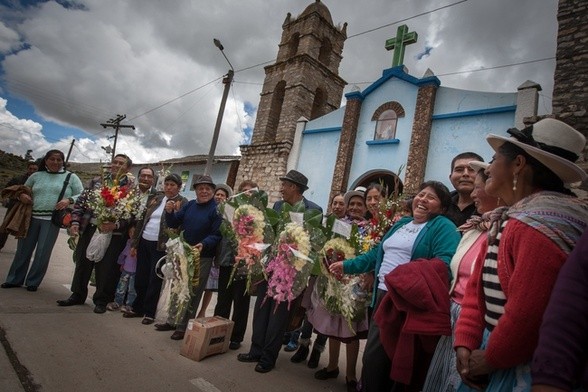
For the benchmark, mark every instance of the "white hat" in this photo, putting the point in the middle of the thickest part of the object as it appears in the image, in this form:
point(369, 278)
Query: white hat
point(478, 165)
point(349, 194)
point(553, 143)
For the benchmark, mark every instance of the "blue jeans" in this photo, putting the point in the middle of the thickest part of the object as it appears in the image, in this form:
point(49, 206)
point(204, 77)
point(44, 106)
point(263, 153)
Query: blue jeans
point(126, 285)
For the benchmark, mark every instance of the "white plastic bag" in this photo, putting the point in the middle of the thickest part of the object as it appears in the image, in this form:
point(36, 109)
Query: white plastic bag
point(98, 245)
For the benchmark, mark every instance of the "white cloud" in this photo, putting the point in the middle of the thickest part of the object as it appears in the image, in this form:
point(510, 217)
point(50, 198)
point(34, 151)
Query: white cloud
point(84, 66)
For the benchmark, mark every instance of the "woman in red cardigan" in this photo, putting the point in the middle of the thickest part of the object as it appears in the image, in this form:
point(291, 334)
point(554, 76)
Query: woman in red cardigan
point(505, 299)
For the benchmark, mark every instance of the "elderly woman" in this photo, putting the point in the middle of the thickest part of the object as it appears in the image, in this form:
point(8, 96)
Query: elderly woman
point(498, 327)
point(46, 185)
point(201, 222)
point(335, 326)
point(442, 375)
point(425, 235)
point(149, 246)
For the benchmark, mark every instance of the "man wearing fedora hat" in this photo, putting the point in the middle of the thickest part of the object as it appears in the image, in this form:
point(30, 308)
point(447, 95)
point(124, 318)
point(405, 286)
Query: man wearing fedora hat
point(201, 222)
point(270, 318)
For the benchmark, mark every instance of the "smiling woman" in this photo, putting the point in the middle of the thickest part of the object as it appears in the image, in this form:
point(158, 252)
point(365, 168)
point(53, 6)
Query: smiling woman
point(428, 235)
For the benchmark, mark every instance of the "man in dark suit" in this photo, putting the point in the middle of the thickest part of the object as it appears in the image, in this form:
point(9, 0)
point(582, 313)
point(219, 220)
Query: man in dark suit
point(269, 325)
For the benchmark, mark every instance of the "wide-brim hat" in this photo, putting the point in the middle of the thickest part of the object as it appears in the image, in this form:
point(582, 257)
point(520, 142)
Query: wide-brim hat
point(478, 165)
point(553, 143)
point(225, 188)
point(349, 194)
point(297, 178)
point(202, 179)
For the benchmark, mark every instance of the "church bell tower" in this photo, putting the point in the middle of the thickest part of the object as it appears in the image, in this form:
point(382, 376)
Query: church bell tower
point(303, 82)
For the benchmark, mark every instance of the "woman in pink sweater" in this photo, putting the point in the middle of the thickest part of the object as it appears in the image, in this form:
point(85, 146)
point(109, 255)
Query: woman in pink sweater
point(498, 327)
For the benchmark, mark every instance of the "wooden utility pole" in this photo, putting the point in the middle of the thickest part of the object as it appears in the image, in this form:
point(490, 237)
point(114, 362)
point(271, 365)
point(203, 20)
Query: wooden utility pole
point(115, 123)
point(69, 152)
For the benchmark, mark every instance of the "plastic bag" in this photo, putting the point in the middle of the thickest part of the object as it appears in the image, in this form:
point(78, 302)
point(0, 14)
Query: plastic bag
point(97, 246)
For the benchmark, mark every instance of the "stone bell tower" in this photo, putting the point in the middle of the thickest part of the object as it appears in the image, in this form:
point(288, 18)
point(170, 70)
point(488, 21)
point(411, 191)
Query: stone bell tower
point(303, 82)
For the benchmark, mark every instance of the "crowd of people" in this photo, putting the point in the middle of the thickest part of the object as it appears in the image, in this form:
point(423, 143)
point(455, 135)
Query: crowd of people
point(466, 288)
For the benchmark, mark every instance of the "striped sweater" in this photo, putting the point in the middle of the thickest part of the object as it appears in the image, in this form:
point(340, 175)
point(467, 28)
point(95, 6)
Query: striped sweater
point(46, 188)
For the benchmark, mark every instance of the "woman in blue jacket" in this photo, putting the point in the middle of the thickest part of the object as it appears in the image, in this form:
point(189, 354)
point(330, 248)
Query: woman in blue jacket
point(425, 235)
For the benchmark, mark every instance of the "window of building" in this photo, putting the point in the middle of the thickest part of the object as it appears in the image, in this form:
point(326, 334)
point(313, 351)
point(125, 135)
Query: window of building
point(386, 125)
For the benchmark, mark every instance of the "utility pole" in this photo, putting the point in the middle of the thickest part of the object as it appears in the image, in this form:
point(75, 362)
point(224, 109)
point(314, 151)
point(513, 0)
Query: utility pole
point(69, 152)
point(227, 80)
point(115, 123)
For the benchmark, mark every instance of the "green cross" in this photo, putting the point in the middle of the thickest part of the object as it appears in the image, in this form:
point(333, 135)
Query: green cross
point(403, 38)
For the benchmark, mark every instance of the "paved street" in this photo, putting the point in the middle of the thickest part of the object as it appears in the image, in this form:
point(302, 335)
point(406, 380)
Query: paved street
point(73, 349)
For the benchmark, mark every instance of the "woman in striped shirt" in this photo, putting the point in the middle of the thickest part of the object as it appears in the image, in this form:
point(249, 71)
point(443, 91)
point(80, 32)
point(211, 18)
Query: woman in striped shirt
point(497, 330)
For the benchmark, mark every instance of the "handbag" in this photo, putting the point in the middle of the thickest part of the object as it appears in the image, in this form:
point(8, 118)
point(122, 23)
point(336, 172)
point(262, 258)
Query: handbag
point(62, 218)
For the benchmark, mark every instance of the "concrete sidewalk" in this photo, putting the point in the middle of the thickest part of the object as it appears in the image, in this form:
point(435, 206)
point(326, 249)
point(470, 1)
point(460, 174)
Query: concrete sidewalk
point(73, 349)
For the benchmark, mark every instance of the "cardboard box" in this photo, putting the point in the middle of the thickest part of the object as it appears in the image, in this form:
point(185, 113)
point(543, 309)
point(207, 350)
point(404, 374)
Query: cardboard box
point(206, 336)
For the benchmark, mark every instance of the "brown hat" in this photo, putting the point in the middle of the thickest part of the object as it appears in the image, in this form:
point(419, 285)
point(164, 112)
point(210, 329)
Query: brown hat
point(225, 188)
point(203, 179)
point(297, 178)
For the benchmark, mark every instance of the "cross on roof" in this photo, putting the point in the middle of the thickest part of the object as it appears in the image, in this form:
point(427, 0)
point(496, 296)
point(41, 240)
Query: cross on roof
point(398, 43)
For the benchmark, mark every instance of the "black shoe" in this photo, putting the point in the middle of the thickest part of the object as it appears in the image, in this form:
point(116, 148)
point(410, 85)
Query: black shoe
point(7, 285)
point(177, 335)
point(99, 309)
point(234, 345)
point(325, 374)
point(71, 301)
point(260, 368)
point(313, 361)
point(165, 327)
point(301, 354)
point(147, 320)
point(351, 385)
point(32, 288)
point(246, 357)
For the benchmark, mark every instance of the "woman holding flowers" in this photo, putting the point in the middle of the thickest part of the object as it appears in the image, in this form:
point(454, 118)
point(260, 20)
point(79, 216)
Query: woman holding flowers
point(94, 211)
point(425, 235)
point(330, 322)
point(46, 185)
point(149, 246)
point(201, 222)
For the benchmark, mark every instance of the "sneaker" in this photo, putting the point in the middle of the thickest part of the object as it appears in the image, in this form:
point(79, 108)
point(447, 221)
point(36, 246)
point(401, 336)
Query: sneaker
point(125, 308)
point(112, 306)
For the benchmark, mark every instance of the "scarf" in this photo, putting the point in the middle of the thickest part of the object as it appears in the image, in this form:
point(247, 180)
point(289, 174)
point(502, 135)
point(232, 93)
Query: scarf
point(560, 217)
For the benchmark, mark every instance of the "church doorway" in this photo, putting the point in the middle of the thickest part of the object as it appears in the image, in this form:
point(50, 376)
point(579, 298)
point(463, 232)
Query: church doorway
point(387, 178)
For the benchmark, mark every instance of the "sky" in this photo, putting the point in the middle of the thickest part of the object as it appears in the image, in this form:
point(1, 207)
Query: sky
point(68, 66)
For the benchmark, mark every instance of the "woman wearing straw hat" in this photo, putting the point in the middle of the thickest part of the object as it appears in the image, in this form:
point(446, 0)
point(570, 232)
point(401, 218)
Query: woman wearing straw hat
point(498, 327)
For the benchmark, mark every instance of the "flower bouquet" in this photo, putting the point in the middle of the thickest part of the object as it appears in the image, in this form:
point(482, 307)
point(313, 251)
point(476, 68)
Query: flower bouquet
point(345, 296)
point(248, 229)
point(181, 273)
point(110, 204)
point(290, 265)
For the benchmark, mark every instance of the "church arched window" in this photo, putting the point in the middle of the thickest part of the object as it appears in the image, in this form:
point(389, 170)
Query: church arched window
point(386, 118)
point(275, 111)
point(325, 52)
point(318, 105)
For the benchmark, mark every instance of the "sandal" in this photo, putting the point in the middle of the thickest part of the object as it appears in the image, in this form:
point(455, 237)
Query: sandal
point(112, 306)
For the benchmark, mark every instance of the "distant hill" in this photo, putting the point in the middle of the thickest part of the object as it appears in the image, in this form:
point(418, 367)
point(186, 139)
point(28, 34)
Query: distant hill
point(13, 165)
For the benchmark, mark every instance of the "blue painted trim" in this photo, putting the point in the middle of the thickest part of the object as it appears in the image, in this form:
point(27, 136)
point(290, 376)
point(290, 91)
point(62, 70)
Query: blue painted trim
point(399, 73)
point(321, 130)
point(469, 113)
point(354, 95)
point(385, 141)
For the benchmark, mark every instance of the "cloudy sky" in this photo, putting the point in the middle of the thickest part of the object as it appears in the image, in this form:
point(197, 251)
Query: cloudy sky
point(67, 66)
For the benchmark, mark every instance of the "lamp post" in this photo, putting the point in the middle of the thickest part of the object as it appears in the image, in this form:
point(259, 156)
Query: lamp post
point(227, 80)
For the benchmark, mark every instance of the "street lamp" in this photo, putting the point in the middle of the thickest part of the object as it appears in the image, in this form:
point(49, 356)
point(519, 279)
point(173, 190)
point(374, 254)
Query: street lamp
point(227, 80)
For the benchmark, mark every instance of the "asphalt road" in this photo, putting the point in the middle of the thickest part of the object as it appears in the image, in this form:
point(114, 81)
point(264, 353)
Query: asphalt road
point(72, 349)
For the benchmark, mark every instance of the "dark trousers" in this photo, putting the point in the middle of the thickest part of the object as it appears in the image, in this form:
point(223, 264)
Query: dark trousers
point(233, 293)
point(269, 325)
point(107, 270)
point(147, 283)
point(375, 374)
point(3, 238)
point(205, 264)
